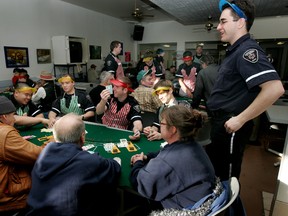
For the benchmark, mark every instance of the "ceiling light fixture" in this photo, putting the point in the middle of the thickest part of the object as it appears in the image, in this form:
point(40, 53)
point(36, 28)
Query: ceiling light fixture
point(166, 45)
point(280, 43)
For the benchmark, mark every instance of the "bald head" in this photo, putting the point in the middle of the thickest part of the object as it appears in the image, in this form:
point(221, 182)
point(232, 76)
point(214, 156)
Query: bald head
point(69, 129)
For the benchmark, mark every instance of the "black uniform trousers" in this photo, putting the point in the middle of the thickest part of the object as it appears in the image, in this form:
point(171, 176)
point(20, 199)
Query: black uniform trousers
point(225, 150)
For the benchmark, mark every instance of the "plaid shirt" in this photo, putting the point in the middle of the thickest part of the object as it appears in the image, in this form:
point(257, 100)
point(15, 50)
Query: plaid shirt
point(147, 101)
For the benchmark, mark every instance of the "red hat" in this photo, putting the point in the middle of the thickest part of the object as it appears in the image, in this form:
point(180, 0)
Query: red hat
point(117, 82)
point(45, 75)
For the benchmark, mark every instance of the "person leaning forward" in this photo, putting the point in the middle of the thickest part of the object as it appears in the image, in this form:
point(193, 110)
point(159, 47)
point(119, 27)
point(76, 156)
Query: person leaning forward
point(69, 181)
point(17, 157)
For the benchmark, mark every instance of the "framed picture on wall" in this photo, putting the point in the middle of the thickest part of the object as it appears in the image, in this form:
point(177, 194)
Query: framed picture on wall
point(16, 57)
point(43, 56)
point(95, 52)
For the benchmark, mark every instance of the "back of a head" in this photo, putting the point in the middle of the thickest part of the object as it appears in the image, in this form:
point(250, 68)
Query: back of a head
point(104, 76)
point(207, 59)
point(159, 51)
point(186, 120)
point(68, 129)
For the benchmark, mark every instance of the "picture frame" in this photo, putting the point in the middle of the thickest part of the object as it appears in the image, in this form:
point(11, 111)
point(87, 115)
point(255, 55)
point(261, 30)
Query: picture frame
point(43, 56)
point(16, 57)
point(95, 52)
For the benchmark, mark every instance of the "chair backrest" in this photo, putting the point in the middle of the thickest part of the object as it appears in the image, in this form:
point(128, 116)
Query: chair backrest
point(234, 192)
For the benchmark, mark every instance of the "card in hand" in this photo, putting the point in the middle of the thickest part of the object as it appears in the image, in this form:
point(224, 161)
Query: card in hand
point(109, 88)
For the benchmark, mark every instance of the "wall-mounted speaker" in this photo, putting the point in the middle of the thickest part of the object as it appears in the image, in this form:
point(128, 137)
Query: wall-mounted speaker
point(138, 32)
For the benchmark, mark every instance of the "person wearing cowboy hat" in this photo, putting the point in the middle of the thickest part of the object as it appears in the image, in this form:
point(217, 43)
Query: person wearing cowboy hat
point(120, 109)
point(47, 92)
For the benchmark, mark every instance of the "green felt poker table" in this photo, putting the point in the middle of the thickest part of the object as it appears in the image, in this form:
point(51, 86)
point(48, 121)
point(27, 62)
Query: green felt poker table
point(98, 135)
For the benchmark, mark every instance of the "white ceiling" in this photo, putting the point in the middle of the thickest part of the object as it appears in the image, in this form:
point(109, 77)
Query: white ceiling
point(186, 12)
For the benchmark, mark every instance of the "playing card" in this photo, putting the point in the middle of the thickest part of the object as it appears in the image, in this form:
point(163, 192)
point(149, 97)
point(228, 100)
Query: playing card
point(109, 88)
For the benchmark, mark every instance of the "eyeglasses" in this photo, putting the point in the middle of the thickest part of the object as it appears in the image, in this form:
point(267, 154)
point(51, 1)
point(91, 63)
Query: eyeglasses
point(163, 123)
point(222, 22)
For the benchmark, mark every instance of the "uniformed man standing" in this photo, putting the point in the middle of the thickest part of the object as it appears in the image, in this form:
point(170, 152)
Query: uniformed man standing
point(112, 62)
point(246, 86)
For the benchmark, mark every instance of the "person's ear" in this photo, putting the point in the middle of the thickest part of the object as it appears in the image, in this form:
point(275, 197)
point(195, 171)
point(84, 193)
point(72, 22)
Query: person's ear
point(82, 138)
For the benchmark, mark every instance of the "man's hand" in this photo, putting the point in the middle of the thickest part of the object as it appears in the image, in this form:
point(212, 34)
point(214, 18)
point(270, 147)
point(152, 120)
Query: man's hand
point(233, 124)
point(154, 135)
point(138, 157)
point(135, 136)
point(105, 95)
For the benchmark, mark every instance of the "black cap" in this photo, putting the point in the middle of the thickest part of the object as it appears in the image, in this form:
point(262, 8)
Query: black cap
point(6, 106)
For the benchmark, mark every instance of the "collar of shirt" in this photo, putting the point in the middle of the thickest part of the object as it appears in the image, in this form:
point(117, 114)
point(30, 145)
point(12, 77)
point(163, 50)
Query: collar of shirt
point(238, 42)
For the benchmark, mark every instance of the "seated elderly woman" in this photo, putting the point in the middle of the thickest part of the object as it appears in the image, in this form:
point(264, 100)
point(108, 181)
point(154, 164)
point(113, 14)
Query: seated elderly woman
point(180, 174)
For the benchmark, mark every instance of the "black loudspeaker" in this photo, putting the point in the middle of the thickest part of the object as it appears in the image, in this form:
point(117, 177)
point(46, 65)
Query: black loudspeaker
point(138, 33)
point(76, 53)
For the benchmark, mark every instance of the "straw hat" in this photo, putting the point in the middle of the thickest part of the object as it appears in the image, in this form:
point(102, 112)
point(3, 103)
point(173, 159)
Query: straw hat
point(45, 75)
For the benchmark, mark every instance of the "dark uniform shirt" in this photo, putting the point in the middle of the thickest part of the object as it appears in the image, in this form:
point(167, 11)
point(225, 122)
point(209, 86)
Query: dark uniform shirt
point(83, 102)
point(30, 108)
point(110, 63)
point(95, 94)
point(238, 79)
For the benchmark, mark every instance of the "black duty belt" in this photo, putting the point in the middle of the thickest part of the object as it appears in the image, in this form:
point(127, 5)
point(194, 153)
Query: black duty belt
point(220, 113)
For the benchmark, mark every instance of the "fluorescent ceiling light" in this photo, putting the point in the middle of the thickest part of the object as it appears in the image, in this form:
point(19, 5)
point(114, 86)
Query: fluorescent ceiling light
point(280, 43)
point(166, 45)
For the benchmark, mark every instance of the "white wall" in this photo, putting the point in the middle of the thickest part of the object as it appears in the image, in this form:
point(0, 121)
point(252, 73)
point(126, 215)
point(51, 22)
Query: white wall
point(32, 23)
point(161, 32)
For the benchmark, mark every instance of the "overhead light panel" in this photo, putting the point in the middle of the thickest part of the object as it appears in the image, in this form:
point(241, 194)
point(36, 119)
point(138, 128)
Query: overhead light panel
point(280, 42)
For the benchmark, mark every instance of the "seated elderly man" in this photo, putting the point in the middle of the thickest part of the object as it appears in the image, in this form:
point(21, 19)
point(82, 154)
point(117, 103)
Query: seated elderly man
point(17, 157)
point(69, 181)
point(94, 94)
point(120, 109)
point(25, 109)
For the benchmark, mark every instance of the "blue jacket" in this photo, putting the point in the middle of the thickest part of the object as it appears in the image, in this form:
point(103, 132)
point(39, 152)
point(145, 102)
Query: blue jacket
point(179, 176)
point(69, 181)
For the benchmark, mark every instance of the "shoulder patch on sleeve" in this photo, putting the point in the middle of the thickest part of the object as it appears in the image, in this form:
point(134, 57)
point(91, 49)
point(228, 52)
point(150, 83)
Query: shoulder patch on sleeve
point(137, 108)
point(251, 55)
point(109, 63)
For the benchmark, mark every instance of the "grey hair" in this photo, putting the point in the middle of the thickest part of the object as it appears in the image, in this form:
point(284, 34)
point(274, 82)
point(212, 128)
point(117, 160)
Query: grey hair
point(68, 129)
point(104, 76)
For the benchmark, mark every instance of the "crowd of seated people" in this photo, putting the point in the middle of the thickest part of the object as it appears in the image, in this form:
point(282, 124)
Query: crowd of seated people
point(114, 102)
